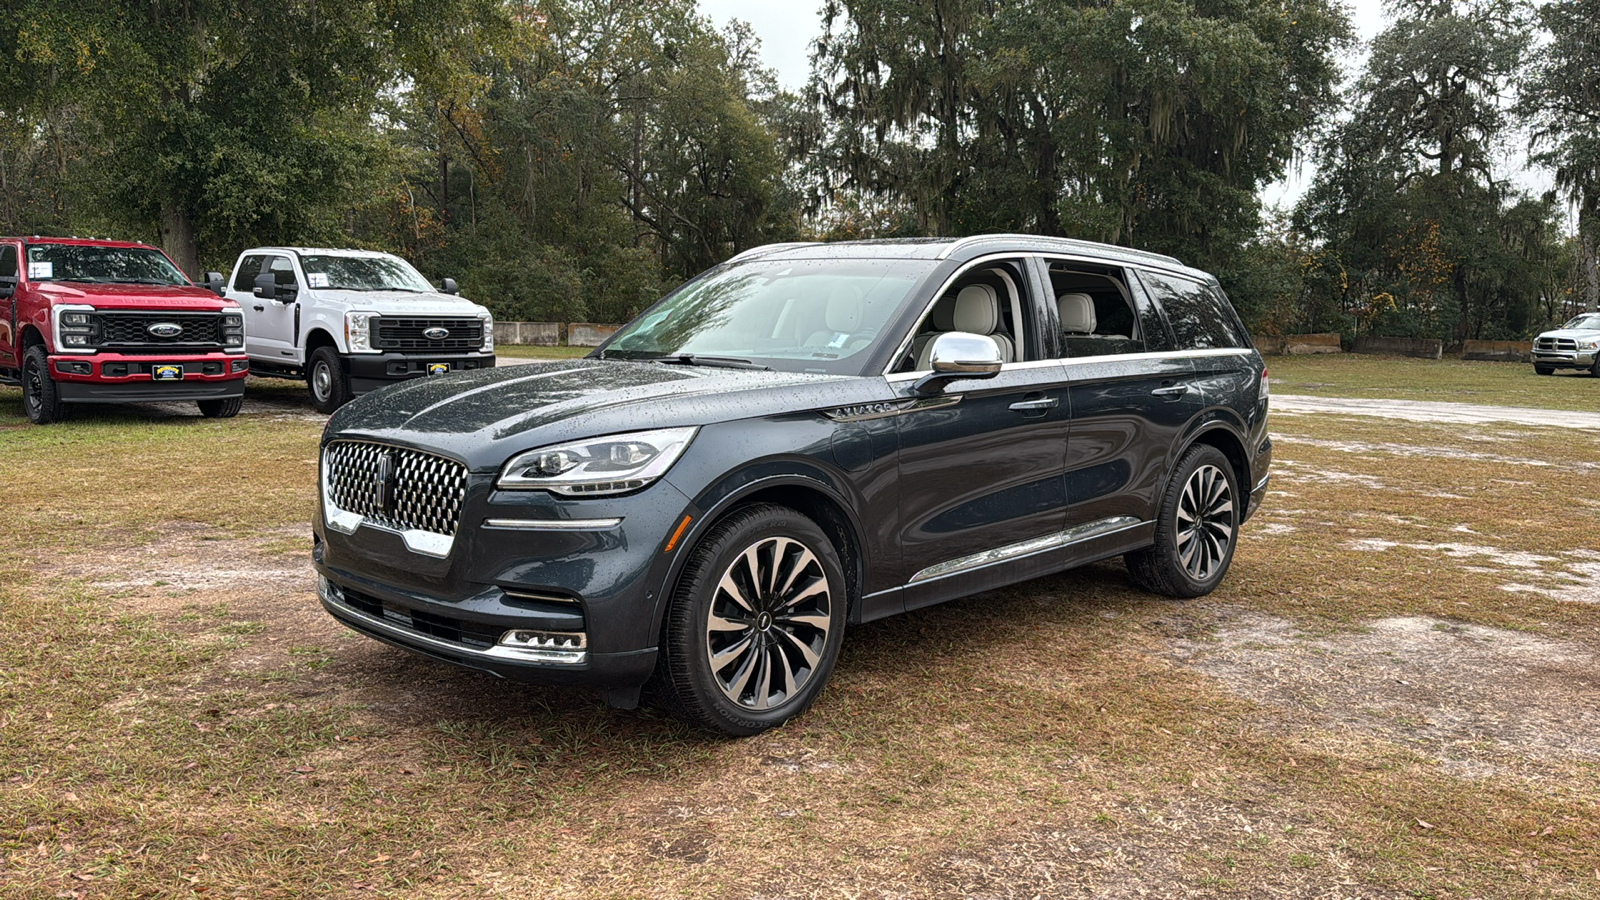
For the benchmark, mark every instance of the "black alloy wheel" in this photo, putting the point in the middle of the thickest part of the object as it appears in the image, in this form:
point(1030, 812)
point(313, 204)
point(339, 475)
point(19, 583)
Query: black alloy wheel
point(756, 623)
point(41, 400)
point(1197, 528)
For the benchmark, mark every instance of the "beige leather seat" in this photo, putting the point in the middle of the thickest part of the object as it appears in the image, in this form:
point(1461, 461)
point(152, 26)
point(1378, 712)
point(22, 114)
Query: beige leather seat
point(1077, 313)
point(976, 311)
point(842, 318)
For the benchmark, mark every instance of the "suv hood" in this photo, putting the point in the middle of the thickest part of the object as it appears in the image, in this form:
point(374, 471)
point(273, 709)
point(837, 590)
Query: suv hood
point(135, 296)
point(484, 417)
point(401, 302)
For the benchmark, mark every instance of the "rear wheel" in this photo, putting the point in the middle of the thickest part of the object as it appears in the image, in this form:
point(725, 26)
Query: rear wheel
point(1197, 528)
point(329, 385)
point(755, 624)
point(41, 400)
point(225, 408)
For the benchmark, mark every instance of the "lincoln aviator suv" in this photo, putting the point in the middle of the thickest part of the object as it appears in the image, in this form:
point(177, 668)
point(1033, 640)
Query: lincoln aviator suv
point(804, 438)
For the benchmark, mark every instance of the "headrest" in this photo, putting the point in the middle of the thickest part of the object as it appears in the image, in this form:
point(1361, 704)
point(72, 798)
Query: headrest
point(1077, 313)
point(844, 309)
point(977, 310)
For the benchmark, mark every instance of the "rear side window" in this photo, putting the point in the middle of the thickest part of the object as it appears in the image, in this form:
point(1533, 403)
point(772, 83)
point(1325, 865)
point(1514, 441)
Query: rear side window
point(1199, 317)
point(245, 280)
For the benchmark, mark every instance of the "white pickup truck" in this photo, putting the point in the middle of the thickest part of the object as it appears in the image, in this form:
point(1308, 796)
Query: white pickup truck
point(351, 321)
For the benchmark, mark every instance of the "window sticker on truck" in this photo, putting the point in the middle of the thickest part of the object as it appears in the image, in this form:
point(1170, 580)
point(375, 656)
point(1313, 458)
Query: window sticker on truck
point(39, 270)
point(317, 279)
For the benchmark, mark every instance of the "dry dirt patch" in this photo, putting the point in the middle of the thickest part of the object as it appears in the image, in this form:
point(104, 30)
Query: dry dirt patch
point(1479, 699)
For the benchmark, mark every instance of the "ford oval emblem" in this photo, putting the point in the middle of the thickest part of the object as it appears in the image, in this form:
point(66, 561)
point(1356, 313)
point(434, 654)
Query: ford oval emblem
point(164, 329)
point(436, 333)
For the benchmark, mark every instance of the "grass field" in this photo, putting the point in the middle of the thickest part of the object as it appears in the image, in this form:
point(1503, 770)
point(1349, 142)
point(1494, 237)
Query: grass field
point(1391, 695)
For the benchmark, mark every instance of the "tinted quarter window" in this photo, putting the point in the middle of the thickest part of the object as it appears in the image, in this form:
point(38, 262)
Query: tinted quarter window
point(248, 270)
point(1200, 319)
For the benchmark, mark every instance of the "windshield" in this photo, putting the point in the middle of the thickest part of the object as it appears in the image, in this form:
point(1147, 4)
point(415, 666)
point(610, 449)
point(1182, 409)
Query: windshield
point(363, 273)
point(101, 265)
point(814, 315)
point(1590, 322)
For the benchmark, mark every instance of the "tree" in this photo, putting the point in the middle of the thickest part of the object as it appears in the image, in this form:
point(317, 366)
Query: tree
point(1561, 104)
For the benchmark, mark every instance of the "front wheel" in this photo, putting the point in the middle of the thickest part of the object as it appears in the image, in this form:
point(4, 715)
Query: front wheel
point(225, 408)
point(755, 625)
point(41, 399)
point(1197, 528)
point(329, 385)
point(1543, 370)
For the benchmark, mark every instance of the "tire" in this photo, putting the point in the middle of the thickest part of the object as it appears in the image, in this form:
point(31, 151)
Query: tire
point(327, 381)
point(225, 408)
point(1543, 370)
point(755, 625)
point(41, 401)
point(1197, 529)
point(1594, 367)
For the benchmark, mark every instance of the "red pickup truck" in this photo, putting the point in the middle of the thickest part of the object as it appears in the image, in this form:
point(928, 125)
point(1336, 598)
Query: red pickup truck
point(92, 321)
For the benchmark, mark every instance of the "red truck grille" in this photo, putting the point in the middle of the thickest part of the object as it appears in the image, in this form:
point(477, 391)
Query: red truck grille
point(131, 332)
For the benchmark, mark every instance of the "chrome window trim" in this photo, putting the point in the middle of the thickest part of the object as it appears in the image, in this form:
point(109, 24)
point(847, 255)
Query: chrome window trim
point(997, 555)
point(1147, 356)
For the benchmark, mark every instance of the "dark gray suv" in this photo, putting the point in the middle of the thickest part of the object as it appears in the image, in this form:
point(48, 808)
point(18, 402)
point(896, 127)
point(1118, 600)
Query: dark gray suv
point(807, 437)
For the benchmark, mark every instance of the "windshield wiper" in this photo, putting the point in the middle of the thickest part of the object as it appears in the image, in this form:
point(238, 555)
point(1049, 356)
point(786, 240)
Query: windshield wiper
point(720, 362)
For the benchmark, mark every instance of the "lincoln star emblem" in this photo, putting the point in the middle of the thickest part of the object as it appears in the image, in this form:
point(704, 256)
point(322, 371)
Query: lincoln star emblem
point(164, 329)
point(383, 482)
point(436, 333)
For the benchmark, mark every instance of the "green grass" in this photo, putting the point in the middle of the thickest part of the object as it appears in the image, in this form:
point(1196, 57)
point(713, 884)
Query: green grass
point(1451, 380)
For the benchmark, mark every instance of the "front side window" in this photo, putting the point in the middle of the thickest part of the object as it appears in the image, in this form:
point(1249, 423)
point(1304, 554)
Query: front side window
point(101, 265)
point(363, 273)
point(249, 268)
point(989, 300)
point(808, 315)
point(1200, 319)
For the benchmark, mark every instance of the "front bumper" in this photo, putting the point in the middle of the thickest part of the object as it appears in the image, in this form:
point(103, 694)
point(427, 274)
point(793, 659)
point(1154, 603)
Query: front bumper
point(129, 378)
point(370, 371)
point(595, 588)
point(1565, 359)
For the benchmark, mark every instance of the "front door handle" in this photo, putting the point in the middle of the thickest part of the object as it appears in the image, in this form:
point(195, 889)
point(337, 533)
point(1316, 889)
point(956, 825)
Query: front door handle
point(1039, 404)
point(1171, 393)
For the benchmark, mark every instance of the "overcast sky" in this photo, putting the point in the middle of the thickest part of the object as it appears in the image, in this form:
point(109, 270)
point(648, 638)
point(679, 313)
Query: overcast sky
point(787, 28)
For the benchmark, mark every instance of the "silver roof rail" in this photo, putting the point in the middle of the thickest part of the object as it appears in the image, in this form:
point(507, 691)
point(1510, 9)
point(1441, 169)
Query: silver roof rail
point(769, 248)
point(1069, 244)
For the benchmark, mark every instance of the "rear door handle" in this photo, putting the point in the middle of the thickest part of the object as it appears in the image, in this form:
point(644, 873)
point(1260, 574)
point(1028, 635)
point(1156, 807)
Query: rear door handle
point(1171, 393)
point(260, 309)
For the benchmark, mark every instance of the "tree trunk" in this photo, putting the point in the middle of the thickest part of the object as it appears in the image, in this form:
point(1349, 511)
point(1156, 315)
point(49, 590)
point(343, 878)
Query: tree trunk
point(1589, 251)
point(177, 238)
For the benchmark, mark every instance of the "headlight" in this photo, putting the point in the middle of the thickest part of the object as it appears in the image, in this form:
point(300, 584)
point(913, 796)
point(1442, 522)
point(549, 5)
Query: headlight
point(233, 329)
point(488, 334)
point(1588, 345)
point(598, 467)
point(358, 331)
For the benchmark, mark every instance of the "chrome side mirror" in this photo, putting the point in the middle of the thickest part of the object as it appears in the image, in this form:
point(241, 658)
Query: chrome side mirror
point(958, 354)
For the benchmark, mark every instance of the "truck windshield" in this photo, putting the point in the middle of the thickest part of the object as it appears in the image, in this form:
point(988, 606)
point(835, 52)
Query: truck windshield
point(105, 265)
point(797, 315)
point(1590, 322)
point(363, 273)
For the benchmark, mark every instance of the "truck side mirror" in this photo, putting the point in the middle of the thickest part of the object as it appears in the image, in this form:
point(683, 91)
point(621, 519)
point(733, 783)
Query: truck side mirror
point(958, 354)
point(449, 286)
point(287, 292)
point(214, 283)
point(266, 286)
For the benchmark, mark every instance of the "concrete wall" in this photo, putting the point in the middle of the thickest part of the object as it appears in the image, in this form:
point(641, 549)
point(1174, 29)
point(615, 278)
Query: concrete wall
point(1298, 344)
point(542, 334)
point(588, 334)
point(1421, 348)
point(1498, 351)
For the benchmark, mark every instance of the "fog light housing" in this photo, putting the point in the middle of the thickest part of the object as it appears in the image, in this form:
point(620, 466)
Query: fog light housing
point(241, 365)
point(328, 591)
point(568, 648)
point(70, 367)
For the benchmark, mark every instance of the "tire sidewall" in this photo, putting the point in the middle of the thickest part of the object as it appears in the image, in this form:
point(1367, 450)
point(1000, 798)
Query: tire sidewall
point(43, 406)
point(698, 695)
point(322, 359)
point(1167, 529)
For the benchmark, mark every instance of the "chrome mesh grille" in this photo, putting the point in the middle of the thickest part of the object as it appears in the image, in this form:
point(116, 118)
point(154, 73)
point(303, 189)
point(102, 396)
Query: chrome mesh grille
point(397, 488)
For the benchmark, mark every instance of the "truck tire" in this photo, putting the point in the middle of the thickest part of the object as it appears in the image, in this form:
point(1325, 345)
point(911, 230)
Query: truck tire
point(327, 380)
point(40, 399)
point(224, 408)
point(1543, 370)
